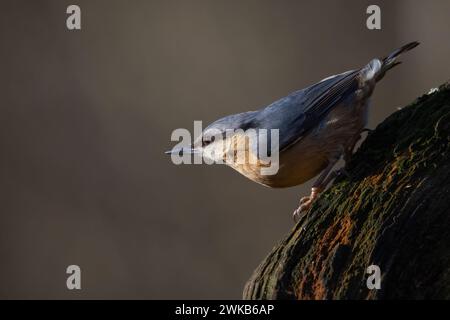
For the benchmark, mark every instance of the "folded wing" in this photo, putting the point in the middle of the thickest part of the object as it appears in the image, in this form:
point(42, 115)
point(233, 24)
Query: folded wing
point(298, 113)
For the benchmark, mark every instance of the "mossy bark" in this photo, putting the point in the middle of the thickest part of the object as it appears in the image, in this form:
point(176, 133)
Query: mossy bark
point(393, 210)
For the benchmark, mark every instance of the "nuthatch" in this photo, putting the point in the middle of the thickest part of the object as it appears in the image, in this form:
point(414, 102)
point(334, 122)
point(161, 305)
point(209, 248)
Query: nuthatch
point(317, 126)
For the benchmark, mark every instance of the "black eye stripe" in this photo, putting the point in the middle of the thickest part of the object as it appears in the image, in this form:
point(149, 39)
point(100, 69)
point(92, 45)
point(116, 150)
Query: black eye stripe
point(208, 140)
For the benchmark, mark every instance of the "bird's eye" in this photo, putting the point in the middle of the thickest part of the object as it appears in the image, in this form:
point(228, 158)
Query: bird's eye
point(207, 141)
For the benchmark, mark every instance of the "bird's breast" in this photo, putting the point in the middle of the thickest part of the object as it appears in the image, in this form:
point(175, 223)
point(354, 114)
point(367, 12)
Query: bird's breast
point(312, 153)
point(296, 165)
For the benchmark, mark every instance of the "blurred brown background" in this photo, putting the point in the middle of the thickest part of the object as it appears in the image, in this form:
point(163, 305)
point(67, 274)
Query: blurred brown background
point(86, 116)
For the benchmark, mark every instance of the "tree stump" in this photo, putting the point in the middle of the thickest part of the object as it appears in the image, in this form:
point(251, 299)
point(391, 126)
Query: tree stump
point(393, 211)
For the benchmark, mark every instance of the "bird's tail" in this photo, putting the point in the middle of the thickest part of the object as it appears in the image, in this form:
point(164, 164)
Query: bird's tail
point(390, 61)
point(378, 67)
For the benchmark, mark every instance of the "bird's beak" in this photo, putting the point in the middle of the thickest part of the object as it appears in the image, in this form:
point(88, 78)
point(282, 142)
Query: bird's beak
point(184, 150)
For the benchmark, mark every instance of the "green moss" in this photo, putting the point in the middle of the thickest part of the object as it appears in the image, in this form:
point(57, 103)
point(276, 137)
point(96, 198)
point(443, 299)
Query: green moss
point(373, 217)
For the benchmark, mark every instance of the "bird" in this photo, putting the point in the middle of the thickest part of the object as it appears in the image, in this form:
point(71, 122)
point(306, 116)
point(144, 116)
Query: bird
point(316, 126)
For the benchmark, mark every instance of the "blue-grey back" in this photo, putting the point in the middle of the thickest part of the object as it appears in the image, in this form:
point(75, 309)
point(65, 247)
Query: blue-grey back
point(297, 113)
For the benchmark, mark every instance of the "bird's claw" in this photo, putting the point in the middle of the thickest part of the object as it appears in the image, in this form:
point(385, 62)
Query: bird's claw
point(300, 212)
point(297, 215)
point(303, 200)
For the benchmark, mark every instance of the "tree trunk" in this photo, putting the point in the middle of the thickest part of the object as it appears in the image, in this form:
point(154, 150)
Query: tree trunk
point(392, 211)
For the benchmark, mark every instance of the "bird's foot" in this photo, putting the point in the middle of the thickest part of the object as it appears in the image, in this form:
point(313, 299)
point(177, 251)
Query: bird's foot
point(301, 211)
point(305, 204)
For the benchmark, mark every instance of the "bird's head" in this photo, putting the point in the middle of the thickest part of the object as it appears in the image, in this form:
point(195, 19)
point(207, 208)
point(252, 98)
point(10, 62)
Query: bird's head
point(213, 145)
point(220, 141)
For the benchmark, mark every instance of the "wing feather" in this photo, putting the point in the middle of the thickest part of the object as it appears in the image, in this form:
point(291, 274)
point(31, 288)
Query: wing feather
point(298, 113)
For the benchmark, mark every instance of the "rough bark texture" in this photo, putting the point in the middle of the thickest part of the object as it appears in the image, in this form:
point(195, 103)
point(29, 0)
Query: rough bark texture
point(392, 211)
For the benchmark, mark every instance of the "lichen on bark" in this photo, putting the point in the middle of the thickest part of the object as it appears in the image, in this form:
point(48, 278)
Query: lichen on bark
point(391, 211)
